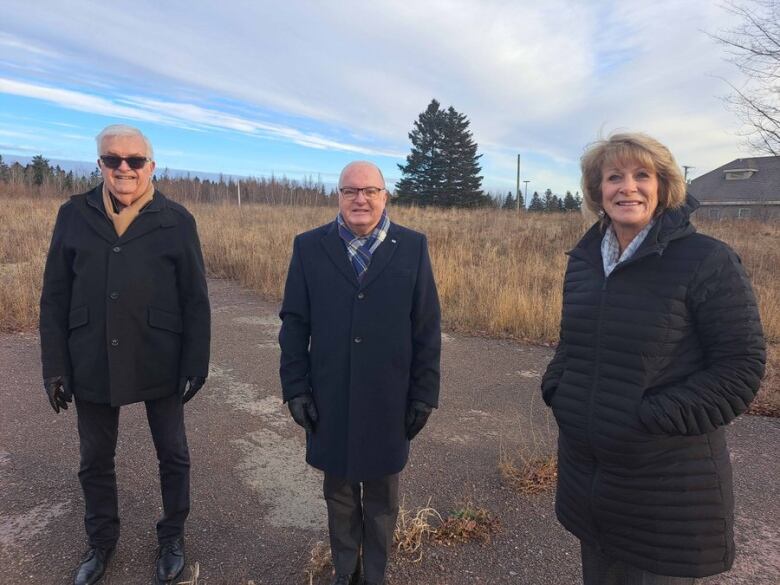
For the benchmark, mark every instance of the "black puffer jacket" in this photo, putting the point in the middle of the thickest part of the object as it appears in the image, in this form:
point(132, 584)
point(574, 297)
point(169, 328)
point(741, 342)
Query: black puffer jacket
point(653, 362)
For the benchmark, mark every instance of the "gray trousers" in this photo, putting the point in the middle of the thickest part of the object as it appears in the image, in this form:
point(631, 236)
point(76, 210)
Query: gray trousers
point(599, 569)
point(361, 515)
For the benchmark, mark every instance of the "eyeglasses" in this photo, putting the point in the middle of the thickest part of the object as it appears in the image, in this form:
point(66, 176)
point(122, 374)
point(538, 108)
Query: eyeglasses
point(114, 162)
point(353, 192)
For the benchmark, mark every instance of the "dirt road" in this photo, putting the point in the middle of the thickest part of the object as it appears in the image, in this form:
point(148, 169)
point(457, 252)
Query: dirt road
point(257, 509)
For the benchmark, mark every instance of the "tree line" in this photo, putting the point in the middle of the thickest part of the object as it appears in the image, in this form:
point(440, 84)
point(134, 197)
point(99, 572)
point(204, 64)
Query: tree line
point(39, 178)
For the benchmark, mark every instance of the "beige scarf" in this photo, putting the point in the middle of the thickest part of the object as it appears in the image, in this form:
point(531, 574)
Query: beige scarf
point(125, 217)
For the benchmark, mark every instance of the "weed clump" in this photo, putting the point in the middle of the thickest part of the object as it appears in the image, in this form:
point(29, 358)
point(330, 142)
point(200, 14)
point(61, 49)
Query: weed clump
point(467, 524)
point(529, 475)
point(319, 561)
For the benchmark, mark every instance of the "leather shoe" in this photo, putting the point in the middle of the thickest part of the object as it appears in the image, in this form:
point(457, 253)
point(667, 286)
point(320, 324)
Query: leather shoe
point(170, 560)
point(93, 565)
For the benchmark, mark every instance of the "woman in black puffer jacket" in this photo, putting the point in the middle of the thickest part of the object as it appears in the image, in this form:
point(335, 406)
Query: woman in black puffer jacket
point(661, 347)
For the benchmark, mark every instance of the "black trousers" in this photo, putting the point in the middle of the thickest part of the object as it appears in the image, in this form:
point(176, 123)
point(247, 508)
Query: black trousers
point(599, 569)
point(98, 426)
point(361, 515)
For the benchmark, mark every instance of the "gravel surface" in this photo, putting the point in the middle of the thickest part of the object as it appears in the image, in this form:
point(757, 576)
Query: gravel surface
point(257, 508)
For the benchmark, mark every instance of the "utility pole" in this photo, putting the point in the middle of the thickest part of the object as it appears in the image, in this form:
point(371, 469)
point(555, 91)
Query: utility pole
point(517, 191)
point(239, 192)
point(685, 168)
point(526, 191)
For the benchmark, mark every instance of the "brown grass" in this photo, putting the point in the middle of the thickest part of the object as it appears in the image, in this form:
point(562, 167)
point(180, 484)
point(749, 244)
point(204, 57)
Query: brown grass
point(467, 524)
point(319, 561)
point(499, 273)
point(413, 529)
point(194, 576)
point(528, 475)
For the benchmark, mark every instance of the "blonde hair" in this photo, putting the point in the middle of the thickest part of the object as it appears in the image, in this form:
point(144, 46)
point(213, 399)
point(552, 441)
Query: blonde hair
point(638, 148)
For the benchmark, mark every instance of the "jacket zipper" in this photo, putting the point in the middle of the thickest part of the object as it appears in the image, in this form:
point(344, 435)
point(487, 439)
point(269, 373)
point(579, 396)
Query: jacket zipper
point(591, 401)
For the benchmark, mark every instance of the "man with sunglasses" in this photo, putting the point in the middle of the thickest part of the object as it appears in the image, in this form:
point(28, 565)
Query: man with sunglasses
point(360, 342)
point(125, 318)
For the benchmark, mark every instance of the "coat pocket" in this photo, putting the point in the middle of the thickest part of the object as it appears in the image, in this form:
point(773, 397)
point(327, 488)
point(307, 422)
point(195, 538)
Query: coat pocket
point(161, 319)
point(78, 317)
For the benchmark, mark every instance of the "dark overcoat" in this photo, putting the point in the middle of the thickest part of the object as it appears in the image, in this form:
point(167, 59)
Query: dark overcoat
point(653, 362)
point(364, 349)
point(124, 317)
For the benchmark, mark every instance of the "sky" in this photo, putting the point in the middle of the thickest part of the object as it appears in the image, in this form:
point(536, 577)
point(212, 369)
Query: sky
point(300, 88)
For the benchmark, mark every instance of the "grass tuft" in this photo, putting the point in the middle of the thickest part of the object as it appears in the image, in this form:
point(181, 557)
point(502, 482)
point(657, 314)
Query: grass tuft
point(194, 576)
point(319, 561)
point(528, 475)
point(413, 529)
point(467, 524)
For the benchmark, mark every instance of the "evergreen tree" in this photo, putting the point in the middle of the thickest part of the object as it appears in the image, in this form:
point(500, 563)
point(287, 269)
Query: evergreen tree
point(549, 201)
point(40, 169)
point(570, 203)
point(443, 166)
point(509, 202)
point(5, 172)
point(536, 203)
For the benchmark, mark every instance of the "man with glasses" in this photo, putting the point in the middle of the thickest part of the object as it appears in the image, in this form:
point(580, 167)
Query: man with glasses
point(125, 318)
point(360, 342)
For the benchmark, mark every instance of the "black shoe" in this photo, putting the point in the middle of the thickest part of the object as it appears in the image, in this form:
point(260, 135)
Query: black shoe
point(353, 579)
point(170, 560)
point(93, 565)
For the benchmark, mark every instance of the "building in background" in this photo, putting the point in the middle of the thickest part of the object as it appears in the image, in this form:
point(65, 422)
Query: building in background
point(744, 188)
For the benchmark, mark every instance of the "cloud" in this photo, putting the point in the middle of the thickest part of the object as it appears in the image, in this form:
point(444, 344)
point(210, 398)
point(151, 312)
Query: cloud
point(541, 78)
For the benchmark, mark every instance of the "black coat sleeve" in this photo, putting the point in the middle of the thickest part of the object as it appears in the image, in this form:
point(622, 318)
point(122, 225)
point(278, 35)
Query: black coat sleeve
point(726, 319)
point(296, 330)
point(194, 302)
point(55, 301)
point(426, 334)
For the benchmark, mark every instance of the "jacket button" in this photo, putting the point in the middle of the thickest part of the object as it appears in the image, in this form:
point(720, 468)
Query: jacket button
point(115, 342)
point(361, 296)
point(114, 295)
point(358, 340)
point(117, 249)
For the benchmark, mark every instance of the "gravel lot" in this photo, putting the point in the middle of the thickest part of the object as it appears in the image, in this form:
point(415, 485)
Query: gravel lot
point(257, 508)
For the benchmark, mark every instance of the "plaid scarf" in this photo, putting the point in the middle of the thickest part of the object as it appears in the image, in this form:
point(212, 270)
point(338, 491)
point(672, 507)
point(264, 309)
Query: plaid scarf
point(361, 248)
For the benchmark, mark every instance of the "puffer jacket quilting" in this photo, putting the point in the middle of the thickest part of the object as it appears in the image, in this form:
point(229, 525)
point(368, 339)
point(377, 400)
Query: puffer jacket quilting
point(653, 362)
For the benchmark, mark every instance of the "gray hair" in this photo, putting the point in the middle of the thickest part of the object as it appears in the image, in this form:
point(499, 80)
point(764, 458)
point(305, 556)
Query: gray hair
point(123, 130)
point(355, 163)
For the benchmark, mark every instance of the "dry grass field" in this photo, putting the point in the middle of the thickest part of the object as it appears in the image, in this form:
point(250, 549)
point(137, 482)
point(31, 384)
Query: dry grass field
point(499, 273)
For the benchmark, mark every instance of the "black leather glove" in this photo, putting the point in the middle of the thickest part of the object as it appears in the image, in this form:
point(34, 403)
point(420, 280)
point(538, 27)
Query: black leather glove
point(59, 393)
point(189, 386)
point(303, 411)
point(417, 413)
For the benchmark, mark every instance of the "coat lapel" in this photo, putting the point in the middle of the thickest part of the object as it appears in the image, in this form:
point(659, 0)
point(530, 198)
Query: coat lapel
point(381, 256)
point(95, 215)
point(149, 219)
point(338, 253)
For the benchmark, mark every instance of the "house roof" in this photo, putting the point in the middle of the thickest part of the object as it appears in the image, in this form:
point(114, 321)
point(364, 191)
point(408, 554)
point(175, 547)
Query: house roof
point(762, 185)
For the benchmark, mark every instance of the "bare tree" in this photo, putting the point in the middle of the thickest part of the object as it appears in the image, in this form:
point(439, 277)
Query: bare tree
point(754, 46)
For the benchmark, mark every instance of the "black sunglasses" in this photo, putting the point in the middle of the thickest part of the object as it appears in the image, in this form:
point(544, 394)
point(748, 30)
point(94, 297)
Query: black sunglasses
point(114, 162)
